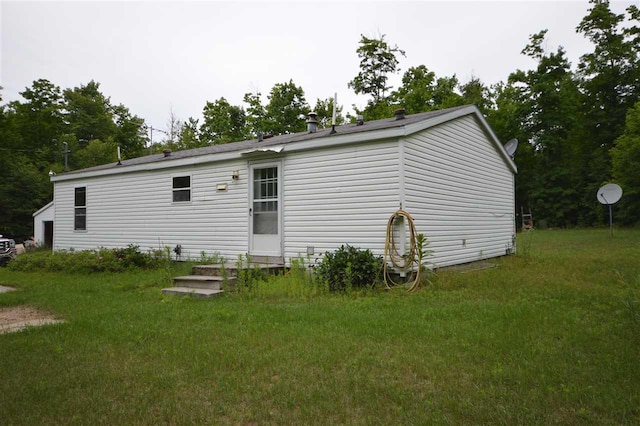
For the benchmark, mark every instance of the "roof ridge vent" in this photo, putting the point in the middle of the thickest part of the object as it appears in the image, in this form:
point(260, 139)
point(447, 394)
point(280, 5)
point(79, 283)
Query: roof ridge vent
point(399, 113)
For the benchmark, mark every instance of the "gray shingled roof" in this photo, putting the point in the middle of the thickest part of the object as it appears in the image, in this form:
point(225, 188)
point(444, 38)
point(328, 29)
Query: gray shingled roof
point(345, 129)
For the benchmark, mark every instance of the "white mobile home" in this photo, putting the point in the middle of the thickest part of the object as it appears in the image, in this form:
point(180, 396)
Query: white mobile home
point(310, 192)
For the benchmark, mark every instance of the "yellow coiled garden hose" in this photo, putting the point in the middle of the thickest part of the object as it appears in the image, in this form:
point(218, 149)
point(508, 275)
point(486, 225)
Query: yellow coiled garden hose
point(404, 262)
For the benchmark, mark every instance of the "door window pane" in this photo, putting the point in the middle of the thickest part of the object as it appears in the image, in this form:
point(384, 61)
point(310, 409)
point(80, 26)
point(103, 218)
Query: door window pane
point(265, 201)
point(265, 183)
point(265, 223)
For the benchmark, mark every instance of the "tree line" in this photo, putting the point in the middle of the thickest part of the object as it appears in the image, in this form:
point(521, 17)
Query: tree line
point(578, 127)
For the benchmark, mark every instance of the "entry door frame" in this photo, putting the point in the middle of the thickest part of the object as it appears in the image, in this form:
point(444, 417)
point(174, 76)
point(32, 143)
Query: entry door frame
point(47, 233)
point(277, 249)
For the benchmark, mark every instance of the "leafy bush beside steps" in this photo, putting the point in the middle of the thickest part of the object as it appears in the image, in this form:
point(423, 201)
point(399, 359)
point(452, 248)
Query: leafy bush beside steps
point(349, 267)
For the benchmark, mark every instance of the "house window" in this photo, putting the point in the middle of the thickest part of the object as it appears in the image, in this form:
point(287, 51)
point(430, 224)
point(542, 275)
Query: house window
point(80, 209)
point(181, 189)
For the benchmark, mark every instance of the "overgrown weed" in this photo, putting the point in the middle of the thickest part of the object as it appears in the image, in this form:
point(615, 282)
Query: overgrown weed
point(211, 259)
point(526, 241)
point(298, 282)
point(248, 274)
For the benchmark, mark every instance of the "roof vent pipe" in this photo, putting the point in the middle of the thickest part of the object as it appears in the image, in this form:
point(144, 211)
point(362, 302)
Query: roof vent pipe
point(312, 122)
point(399, 113)
point(166, 152)
point(260, 136)
point(359, 120)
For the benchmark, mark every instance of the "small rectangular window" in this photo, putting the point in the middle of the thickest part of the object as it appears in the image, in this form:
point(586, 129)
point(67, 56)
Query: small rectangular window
point(181, 189)
point(80, 209)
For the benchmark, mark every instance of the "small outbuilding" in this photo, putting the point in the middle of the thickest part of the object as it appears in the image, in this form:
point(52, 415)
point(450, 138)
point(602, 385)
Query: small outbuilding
point(302, 194)
point(43, 225)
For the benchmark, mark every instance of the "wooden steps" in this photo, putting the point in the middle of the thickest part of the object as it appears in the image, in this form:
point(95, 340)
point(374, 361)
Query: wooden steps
point(207, 281)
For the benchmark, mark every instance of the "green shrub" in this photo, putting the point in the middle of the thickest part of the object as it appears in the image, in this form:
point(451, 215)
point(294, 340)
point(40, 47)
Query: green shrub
point(87, 261)
point(349, 267)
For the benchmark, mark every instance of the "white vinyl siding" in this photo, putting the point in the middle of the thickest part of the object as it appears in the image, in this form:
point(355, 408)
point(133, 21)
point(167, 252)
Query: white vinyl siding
point(333, 190)
point(460, 192)
point(339, 195)
point(138, 208)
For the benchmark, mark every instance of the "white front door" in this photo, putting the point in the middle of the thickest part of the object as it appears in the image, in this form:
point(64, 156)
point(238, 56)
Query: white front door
point(265, 215)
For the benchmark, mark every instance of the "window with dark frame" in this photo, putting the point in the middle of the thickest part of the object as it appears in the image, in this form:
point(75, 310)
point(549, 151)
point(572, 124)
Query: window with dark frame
point(80, 209)
point(181, 189)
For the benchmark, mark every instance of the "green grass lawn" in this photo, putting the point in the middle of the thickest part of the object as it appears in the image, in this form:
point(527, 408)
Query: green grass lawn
point(552, 335)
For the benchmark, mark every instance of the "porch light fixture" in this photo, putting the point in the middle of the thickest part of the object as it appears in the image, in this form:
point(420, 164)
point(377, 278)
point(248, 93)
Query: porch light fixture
point(235, 175)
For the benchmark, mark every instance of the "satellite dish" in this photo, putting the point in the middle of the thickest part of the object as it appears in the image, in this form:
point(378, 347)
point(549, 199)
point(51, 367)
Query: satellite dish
point(511, 147)
point(609, 194)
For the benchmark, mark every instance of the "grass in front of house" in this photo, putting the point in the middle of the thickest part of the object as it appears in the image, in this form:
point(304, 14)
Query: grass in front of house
point(550, 336)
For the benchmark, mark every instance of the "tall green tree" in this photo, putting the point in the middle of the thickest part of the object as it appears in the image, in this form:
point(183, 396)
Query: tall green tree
point(552, 104)
point(422, 91)
point(416, 93)
point(610, 75)
point(97, 152)
point(286, 110)
point(477, 93)
point(222, 122)
point(507, 120)
point(33, 131)
point(378, 61)
point(89, 112)
point(189, 135)
point(92, 117)
point(130, 134)
point(445, 93)
point(256, 115)
point(626, 168)
point(610, 83)
point(24, 188)
point(29, 147)
point(38, 122)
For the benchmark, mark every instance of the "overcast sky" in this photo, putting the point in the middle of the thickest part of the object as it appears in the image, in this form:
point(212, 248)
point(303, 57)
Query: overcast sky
point(154, 57)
